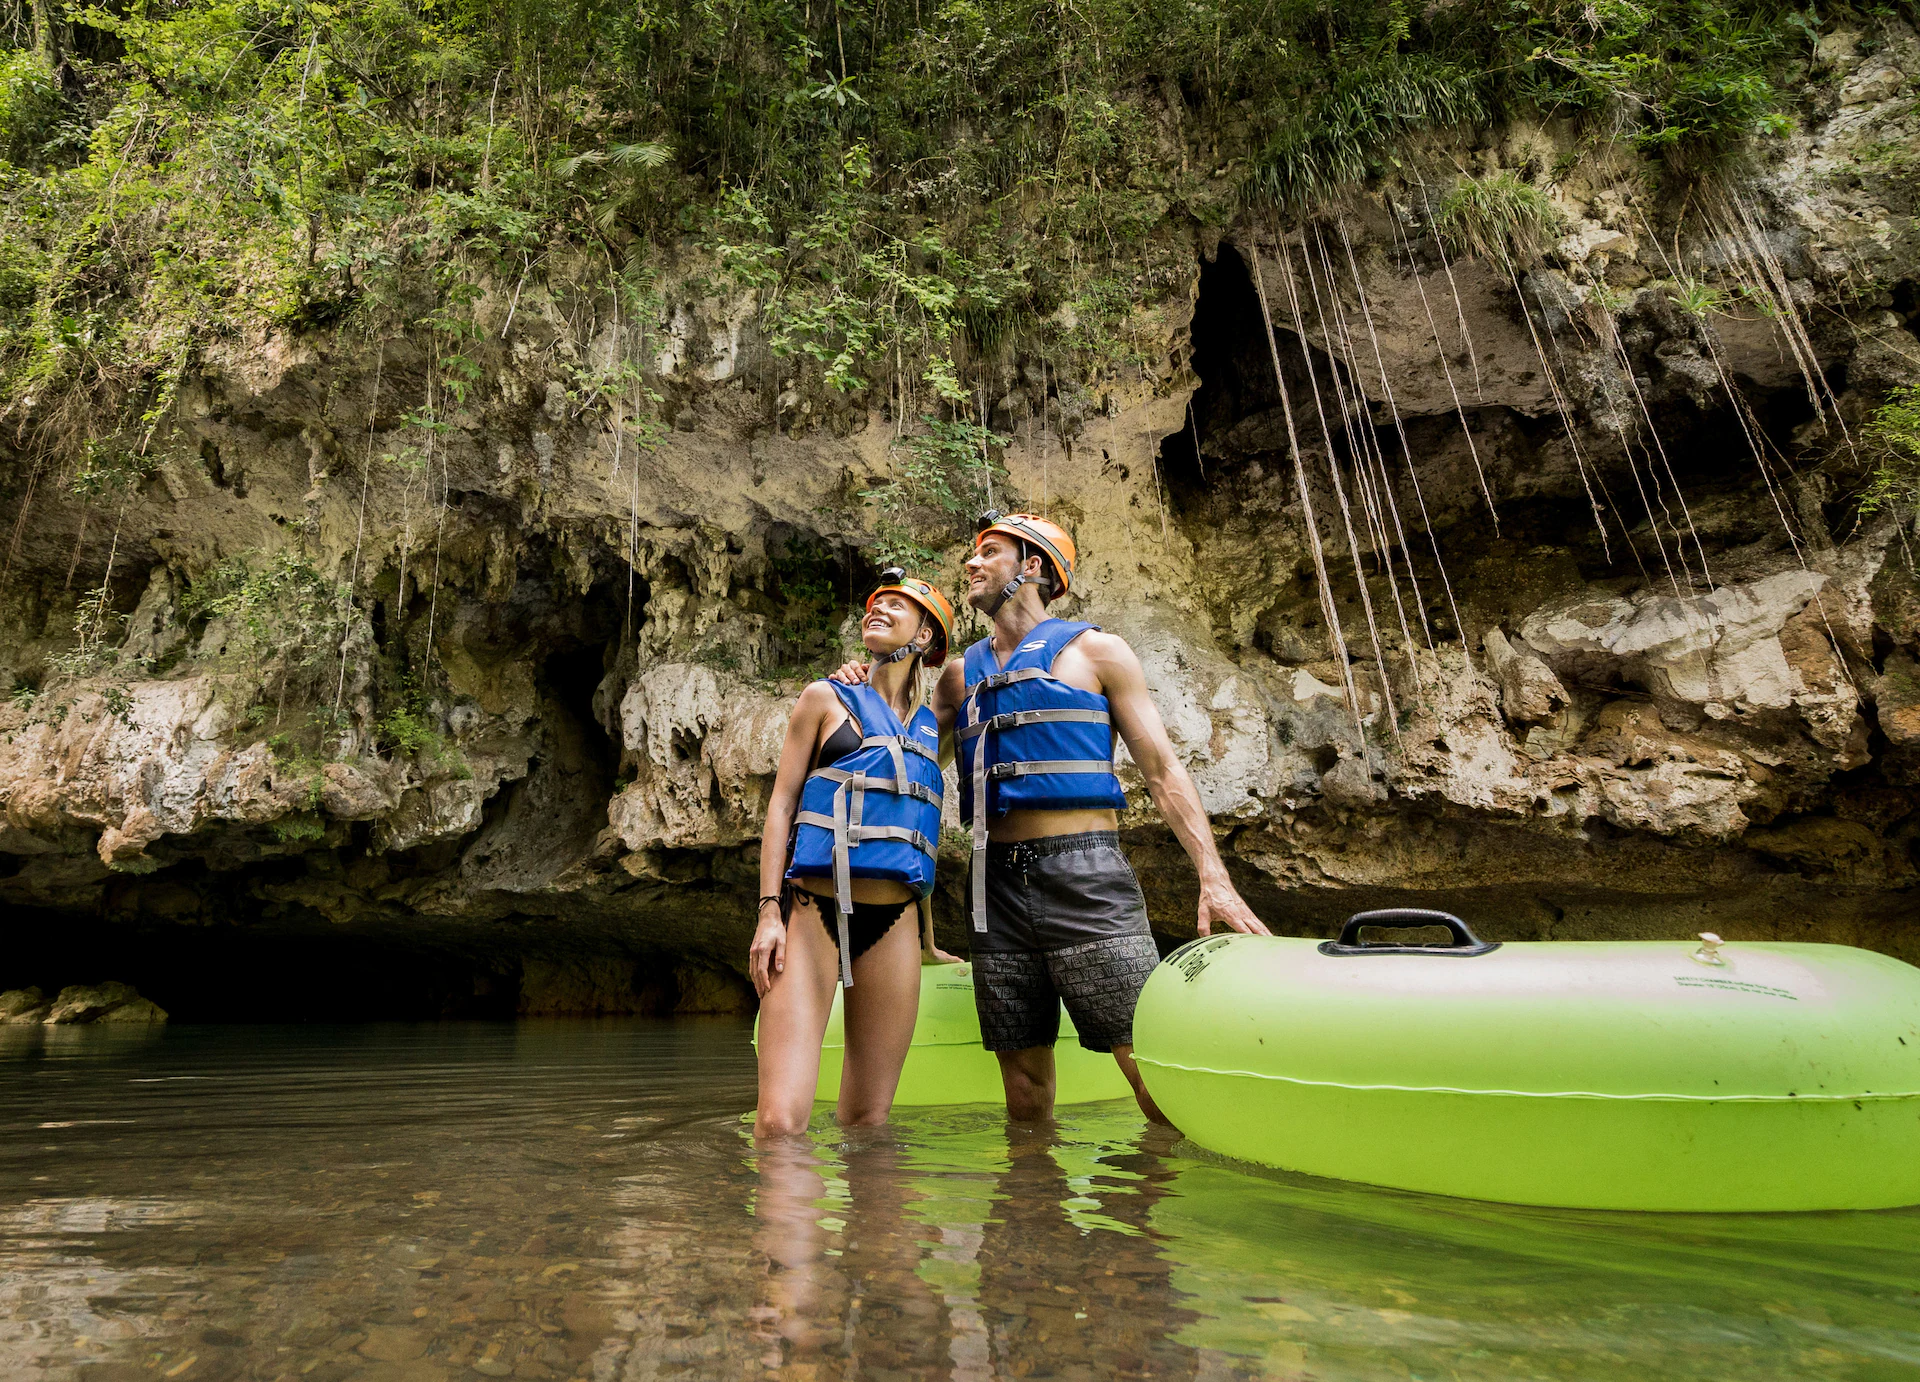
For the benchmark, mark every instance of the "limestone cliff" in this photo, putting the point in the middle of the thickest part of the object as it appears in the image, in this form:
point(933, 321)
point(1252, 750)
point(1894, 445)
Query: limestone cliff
point(1622, 658)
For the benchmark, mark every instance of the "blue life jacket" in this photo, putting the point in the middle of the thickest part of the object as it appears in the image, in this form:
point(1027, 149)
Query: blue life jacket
point(1028, 741)
point(874, 813)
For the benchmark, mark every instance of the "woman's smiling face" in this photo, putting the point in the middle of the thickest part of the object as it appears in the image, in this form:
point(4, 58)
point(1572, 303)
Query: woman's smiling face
point(891, 620)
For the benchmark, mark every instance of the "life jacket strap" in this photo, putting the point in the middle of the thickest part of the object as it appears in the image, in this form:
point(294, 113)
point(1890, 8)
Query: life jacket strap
point(982, 774)
point(862, 834)
point(842, 881)
point(1031, 767)
point(993, 681)
point(1013, 719)
point(849, 799)
point(863, 783)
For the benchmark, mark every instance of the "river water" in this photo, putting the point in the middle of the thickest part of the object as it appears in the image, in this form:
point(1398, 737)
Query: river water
point(581, 1199)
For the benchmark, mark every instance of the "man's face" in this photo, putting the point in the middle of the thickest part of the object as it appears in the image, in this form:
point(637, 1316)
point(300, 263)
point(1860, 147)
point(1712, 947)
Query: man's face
point(993, 563)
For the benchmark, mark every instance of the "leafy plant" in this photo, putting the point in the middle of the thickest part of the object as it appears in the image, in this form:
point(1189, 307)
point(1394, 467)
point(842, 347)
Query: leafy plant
point(411, 728)
point(1689, 80)
point(300, 828)
point(1349, 133)
point(1499, 216)
point(283, 619)
point(1893, 436)
point(941, 476)
point(1698, 299)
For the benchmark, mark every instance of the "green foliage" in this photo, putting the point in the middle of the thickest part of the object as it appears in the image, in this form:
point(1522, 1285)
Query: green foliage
point(840, 291)
point(97, 629)
point(1690, 80)
point(1499, 216)
point(895, 183)
point(806, 585)
point(283, 619)
point(1698, 299)
point(119, 703)
point(942, 477)
point(1893, 439)
point(1346, 133)
point(302, 827)
point(29, 107)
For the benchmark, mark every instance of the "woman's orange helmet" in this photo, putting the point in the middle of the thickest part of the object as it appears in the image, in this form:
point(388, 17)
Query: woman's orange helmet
point(1050, 538)
point(930, 600)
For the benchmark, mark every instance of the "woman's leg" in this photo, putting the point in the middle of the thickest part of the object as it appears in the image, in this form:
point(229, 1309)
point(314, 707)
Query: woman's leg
point(881, 1008)
point(793, 1019)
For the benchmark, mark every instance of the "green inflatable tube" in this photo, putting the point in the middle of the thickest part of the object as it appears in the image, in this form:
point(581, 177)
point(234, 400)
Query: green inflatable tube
point(1652, 1076)
point(948, 1065)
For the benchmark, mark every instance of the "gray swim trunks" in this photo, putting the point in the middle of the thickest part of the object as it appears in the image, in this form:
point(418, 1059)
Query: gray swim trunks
point(1065, 923)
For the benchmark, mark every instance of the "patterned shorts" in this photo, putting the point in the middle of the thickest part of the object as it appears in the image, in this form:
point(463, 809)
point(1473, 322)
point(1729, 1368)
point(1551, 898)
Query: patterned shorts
point(1065, 923)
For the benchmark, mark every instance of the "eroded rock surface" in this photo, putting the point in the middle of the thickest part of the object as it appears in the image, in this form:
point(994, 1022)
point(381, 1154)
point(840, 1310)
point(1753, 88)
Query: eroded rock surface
point(1621, 674)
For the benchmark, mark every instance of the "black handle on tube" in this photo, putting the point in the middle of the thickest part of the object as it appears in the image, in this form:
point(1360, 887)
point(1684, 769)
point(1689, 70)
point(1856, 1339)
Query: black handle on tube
point(1464, 942)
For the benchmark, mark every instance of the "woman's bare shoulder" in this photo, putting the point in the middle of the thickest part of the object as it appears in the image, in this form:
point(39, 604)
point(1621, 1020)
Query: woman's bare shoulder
point(816, 700)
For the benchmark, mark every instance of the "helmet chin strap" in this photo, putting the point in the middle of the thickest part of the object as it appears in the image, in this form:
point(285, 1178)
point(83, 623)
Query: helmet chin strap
point(903, 652)
point(1012, 587)
point(1007, 592)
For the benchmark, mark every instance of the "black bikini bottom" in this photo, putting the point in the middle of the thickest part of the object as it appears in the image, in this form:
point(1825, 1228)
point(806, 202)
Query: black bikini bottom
point(869, 922)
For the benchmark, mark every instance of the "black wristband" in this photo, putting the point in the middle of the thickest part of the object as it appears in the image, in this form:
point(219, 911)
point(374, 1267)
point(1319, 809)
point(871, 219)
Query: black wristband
point(770, 897)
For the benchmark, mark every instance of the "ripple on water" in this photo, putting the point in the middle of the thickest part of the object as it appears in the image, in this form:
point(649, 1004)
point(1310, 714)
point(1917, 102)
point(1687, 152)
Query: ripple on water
point(580, 1199)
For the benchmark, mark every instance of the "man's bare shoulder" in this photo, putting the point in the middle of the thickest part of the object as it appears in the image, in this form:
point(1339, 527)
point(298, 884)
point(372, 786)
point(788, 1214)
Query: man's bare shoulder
point(1100, 643)
point(1106, 650)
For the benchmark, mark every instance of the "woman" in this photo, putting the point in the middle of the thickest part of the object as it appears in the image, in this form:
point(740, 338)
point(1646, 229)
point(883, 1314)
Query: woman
point(847, 852)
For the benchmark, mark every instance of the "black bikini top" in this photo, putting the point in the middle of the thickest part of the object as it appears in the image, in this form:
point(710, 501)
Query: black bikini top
point(840, 743)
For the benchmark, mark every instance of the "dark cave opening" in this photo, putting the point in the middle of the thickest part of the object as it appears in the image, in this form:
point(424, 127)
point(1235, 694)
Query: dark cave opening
point(573, 676)
point(254, 973)
point(1231, 463)
point(300, 968)
point(1231, 360)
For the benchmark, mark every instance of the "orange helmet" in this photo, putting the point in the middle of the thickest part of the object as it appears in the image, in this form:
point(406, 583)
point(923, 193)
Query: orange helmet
point(1030, 529)
point(930, 600)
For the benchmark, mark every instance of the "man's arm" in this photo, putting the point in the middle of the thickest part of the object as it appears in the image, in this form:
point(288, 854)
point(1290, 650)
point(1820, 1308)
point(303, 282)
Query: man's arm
point(1145, 735)
point(949, 694)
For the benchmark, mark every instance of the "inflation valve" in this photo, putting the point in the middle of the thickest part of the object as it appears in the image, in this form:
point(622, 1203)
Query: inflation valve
point(1709, 951)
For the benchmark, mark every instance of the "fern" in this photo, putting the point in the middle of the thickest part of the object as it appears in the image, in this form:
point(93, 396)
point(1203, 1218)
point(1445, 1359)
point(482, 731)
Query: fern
point(1499, 216)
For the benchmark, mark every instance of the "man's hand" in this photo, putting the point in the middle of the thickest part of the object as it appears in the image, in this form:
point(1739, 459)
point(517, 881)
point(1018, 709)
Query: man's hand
point(850, 674)
point(1221, 902)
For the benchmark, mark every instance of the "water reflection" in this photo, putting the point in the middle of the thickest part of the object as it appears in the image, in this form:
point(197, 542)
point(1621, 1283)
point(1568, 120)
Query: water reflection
point(581, 1200)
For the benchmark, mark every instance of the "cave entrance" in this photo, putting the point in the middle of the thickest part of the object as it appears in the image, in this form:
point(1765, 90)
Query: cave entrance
point(1235, 369)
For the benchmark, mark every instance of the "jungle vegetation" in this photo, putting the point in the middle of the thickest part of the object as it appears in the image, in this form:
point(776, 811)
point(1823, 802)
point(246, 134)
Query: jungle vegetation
point(896, 179)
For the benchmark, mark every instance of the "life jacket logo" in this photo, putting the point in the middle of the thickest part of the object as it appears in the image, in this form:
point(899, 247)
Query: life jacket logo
point(926, 731)
point(1032, 647)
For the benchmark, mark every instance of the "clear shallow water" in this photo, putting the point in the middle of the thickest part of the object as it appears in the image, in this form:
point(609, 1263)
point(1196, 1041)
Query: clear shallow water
point(581, 1200)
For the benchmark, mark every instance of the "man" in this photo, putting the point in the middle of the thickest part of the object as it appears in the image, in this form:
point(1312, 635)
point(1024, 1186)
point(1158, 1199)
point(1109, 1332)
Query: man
point(1057, 913)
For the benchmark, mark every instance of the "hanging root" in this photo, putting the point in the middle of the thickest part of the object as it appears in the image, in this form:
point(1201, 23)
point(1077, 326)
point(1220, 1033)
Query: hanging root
point(1363, 438)
point(1329, 611)
point(1459, 410)
point(1406, 451)
point(1340, 493)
